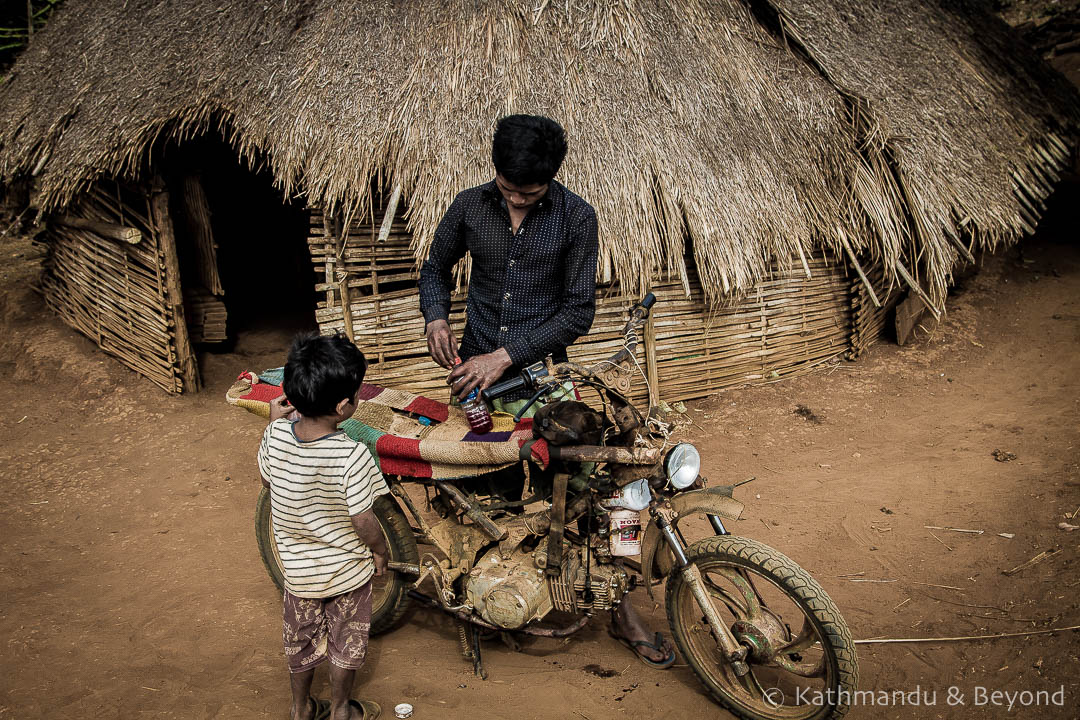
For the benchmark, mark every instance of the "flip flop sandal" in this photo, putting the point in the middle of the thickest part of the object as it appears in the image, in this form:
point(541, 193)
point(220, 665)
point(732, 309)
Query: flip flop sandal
point(320, 708)
point(657, 645)
point(370, 708)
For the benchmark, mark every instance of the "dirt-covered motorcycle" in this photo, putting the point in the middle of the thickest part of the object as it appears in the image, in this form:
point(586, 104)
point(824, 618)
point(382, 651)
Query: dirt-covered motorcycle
point(759, 632)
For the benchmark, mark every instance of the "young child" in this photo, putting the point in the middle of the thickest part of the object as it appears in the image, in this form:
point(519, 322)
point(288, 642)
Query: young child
point(322, 489)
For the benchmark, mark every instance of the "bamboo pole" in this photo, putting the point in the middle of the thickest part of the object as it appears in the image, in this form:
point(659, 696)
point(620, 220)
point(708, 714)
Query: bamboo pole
point(917, 289)
point(650, 362)
point(862, 276)
point(187, 364)
point(104, 229)
point(388, 216)
point(952, 237)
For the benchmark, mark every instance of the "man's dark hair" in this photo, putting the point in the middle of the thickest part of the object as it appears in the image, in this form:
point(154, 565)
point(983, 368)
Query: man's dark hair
point(322, 370)
point(528, 149)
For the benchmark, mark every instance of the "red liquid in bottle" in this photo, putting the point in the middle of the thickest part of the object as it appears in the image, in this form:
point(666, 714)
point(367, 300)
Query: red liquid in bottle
point(476, 412)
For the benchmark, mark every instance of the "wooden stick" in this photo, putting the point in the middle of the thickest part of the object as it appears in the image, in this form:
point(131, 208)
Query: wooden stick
point(952, 237)
point(862, 275)
point(802, 258)
point(947, 587)
point(917, 289)
point(105, 229)
point(650, 362)
point(1044, 555)
point(188, 366)
point(953, 529)
point(882, 641)
point(941, 541)
point(388, 216)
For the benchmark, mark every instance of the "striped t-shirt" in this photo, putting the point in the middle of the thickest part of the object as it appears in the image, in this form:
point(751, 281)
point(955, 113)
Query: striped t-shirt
point(314, 488)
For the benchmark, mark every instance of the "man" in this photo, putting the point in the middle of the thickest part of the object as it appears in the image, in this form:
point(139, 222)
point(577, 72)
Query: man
point(532, 291)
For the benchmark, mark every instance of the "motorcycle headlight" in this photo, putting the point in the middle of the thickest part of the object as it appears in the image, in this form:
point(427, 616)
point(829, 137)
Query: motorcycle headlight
point(683, 465)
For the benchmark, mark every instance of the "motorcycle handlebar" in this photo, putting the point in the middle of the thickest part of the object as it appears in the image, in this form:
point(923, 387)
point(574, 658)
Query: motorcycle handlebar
point(506, 386)
point(532, 377)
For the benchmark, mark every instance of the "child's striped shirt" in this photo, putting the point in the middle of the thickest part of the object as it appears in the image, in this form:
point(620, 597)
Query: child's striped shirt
point(314, 488)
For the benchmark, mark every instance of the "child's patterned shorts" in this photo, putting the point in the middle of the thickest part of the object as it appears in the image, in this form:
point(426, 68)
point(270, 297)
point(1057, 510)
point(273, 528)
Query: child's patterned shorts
point(335, 627)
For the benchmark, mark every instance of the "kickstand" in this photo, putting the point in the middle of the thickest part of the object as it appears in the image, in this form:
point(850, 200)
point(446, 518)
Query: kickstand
point(478, 664)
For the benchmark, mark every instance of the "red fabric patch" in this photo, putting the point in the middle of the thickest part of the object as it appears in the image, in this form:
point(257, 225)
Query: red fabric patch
point(262, 392)
point(401, 456)
point(427, 407)
point(368, 391)
point(539, 452)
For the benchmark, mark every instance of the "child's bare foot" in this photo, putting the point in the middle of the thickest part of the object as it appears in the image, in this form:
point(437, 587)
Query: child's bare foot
point(309, 710)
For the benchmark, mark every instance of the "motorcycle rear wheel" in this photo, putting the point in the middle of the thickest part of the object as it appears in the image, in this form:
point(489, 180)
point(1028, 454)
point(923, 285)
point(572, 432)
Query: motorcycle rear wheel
point(802, 661)
point(389, 593)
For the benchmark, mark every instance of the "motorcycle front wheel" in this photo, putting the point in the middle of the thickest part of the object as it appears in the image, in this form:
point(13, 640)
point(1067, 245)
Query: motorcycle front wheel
point(389, 593)
point(801, 656)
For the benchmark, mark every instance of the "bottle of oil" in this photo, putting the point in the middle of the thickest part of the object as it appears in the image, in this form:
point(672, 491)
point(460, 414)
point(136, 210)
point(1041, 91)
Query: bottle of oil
point(477, 413)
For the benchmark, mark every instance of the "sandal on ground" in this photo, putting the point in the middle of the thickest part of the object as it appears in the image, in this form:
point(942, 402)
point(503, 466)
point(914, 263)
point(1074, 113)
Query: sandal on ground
point(320, 709)
point(370, 708)
point(657, 645)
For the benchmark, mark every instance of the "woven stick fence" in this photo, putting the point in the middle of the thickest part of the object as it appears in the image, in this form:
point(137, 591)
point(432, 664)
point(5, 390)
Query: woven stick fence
point(114, 291)
point(788, 323)
point(869, 320)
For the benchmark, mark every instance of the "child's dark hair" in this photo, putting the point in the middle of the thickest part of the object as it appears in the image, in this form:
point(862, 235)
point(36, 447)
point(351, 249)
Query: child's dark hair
point(322, 370)
point(528, 149)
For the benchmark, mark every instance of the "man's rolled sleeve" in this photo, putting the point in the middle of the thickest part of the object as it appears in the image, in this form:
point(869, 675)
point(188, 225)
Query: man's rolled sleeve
point(436, 274)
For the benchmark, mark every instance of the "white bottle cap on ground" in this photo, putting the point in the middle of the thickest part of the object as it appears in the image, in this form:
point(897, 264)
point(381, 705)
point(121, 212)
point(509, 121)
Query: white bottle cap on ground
point(403, 710)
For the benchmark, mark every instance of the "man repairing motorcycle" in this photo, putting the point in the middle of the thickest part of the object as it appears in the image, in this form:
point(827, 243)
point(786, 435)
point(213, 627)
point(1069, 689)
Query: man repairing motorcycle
point(531, 291)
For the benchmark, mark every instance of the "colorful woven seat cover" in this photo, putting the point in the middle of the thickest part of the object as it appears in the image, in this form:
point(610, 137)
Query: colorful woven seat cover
point(411, 435)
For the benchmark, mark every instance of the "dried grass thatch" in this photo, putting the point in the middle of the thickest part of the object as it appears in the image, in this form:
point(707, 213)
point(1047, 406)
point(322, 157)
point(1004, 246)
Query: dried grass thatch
point(692, 120)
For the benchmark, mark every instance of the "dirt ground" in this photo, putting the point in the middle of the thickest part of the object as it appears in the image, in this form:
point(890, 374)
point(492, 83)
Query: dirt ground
point(133, 586)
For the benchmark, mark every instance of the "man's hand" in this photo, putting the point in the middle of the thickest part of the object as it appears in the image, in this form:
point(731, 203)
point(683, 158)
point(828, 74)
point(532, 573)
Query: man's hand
point(480, 371)
point(441, 343)
point(280, 407)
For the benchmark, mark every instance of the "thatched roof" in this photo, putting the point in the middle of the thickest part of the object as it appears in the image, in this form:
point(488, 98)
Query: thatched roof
point(733, 127)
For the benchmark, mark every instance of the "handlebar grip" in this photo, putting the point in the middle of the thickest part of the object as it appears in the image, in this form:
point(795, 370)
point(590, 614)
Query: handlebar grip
point(506, 386)
point(648, 301)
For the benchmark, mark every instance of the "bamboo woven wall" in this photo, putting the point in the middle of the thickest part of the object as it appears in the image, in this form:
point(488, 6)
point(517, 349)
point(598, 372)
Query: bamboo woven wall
point(113, 290)
point(868, 320)
point(787, 324)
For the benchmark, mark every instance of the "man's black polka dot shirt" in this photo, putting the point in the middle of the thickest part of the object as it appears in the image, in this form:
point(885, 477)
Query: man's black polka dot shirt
point(533, 292)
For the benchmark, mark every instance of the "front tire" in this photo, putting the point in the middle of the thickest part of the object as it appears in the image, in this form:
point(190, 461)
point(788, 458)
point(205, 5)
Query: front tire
point(389, 593)
point(802, 659)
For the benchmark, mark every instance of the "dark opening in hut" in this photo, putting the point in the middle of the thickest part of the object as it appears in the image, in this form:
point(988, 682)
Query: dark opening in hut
point(242, 245)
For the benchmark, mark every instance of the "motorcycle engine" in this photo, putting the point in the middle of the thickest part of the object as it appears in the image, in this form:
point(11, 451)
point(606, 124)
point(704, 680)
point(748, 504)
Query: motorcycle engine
point(513, 591)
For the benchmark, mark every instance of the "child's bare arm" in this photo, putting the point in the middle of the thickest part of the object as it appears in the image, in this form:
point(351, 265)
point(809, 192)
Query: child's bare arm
point(280, 407)
point(367, 528)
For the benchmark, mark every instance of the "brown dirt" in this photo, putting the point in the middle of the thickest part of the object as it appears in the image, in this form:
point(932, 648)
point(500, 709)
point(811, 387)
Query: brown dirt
point(134, 587)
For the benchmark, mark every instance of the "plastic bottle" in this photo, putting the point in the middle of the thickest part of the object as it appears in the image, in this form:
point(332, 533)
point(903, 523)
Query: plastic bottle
point(476, 412)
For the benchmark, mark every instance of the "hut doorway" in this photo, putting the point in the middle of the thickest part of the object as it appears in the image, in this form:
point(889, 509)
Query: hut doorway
point(247, 276)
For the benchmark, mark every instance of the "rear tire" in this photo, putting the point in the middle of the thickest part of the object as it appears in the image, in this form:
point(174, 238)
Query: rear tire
point(389, 593)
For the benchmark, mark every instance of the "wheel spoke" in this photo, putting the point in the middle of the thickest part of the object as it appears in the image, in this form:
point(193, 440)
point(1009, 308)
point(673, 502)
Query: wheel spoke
point(752, 686)
point(732, 603)
point(807, 669)
point(807, 637)
point(750, 605)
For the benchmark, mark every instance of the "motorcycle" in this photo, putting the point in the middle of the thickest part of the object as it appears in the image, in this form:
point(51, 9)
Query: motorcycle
point(759, 632)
